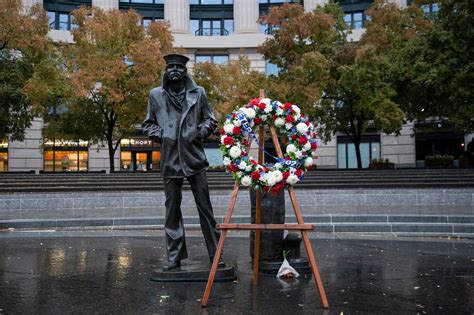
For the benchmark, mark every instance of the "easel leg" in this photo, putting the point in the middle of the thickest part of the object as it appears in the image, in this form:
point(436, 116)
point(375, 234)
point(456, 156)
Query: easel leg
point(256, 249)
point(314, 269)
point(213, 271)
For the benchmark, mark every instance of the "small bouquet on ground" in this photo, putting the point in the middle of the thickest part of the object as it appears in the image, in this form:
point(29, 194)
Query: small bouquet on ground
point(286, 271)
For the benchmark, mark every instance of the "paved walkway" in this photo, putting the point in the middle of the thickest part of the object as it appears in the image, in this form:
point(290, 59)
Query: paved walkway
point(97, 273)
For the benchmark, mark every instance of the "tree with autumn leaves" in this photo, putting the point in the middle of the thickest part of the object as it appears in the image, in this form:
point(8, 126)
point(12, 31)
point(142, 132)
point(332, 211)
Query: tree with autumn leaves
point(345, 86)
point(24, 50)
point(111, 67)
point(230, 85)
point(434, 73)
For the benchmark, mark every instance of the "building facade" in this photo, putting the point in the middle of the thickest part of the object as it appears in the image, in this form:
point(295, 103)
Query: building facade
point(230, 29)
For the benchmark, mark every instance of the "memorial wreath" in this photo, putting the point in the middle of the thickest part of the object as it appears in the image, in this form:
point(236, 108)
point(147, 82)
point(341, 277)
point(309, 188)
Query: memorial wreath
point(300, 148)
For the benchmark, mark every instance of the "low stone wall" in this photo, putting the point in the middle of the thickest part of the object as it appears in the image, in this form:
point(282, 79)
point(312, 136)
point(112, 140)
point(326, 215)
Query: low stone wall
point(312, 202)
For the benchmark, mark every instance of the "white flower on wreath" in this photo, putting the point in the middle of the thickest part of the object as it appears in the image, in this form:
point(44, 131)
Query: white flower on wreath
point(279, 110)
point(308, 161)
point(229, 128)
point(292, 179)
point(268, 108)
point(239, 174)
point(278, 176)
point(297, 116)
point(307, 146)
point(278, 166)
point(249, 112)
point(296, 109)
point(248, 168)
point(265, 101)
point(301, 128)
point(242, 165)
point(237, 122)
point(279, 122)
point(270, 179)
point(298, 154)
point(226, 161)
point(314, 153)
point(290, 148)
point(246, 181)
point(235, 152)
point(264, 117)
point(288, 125)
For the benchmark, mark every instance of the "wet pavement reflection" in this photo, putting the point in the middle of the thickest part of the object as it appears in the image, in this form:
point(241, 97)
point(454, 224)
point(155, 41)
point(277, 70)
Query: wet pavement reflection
point(111, 275)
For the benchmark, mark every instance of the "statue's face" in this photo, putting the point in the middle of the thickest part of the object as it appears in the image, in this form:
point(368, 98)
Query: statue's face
point(175, 71)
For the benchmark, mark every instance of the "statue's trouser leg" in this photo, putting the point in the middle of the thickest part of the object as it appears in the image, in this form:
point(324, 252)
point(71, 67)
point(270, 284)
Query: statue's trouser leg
point(175, 239)
point(200, 190)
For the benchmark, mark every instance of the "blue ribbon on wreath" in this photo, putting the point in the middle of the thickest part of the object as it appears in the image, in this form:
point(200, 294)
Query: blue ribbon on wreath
point(244, 124)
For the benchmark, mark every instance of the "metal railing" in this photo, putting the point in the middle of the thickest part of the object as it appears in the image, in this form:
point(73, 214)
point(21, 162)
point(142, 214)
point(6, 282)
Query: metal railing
point(211, 32)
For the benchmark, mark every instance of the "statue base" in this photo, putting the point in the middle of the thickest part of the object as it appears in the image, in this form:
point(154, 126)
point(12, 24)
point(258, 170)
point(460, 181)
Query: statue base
point(194, 272)
point(271, 267)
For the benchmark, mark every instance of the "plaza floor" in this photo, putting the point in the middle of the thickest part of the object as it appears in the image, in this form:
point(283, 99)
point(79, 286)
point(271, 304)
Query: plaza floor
point(102, 272)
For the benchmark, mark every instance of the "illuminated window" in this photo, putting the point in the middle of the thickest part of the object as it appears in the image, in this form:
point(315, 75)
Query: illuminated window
point(3, 155)
point(65, 156)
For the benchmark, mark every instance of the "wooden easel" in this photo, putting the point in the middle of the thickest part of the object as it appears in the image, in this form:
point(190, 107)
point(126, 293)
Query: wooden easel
point(258, 227)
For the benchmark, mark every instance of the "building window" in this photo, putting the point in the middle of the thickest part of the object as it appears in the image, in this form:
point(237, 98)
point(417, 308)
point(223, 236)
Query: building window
point(437, 138)
point(216, 59)
point(3, 155)
point(66, 156)
point(264, 8)
point(346, 156)
point(59, 13)
point(355, 20)
point(211, 27)
point(139, 154)
point(210, 2)
point(144, 1)
point(211, 18)
point(268, 29)
point(271, 69)
point(430, 10)
point(60, 21)
point(280, 1)
point(150, 10)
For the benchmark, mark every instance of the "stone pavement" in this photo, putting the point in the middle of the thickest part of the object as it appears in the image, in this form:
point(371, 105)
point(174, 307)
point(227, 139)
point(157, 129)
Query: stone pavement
point(108, 272)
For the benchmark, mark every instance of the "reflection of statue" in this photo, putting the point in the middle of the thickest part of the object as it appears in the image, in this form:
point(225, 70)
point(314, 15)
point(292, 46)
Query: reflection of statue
point(179, 117)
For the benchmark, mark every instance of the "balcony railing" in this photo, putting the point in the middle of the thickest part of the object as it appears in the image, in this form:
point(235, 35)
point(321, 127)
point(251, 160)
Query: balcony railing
point(211, 32)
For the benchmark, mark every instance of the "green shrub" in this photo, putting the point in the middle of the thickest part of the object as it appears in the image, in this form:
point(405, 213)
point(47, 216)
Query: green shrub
point(439, 161)
point(381, 164)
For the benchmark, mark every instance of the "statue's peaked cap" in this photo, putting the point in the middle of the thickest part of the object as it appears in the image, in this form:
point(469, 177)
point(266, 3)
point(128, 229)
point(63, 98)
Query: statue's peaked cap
point(176, 59)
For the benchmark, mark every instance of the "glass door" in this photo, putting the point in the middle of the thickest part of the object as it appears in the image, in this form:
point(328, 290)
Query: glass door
point(141, 159)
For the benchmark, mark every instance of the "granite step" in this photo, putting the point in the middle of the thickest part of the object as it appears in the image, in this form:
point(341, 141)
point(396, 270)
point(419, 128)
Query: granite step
point(327, 179)
point(416, 225)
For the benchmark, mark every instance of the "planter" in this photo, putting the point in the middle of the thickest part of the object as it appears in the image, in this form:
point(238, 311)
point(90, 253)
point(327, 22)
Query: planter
point(381, 165)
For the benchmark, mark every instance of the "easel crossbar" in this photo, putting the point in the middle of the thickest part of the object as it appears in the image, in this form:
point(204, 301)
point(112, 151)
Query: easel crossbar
point(235, 226)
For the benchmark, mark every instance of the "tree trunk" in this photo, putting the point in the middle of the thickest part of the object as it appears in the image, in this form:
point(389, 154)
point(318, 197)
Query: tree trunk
point(357, 151)
point(110, 144)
